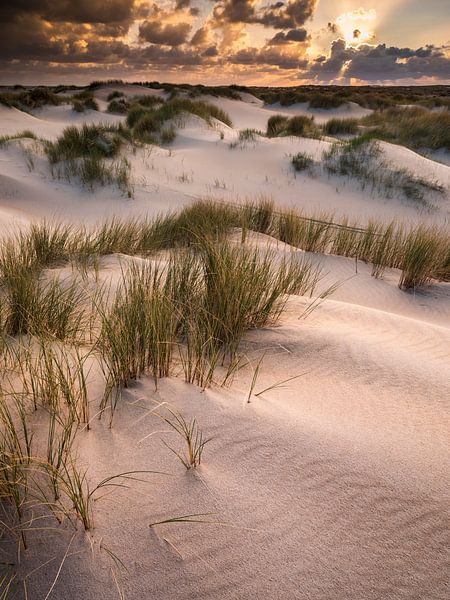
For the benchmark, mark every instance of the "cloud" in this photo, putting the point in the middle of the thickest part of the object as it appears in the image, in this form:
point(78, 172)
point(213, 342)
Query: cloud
point(81, 11)
point(293, 35)
point(280, 15)
point(46, 30)
point(380, 63)
point(200, 37)
point(138, 36)
point(166, 34)
point(268, 57)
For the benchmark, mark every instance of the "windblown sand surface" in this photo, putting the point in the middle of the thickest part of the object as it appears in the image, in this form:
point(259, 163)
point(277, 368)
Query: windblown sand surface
point(333, 486)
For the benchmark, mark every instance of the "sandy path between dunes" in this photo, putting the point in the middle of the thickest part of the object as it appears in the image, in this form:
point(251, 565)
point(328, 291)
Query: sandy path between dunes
point(333, 486)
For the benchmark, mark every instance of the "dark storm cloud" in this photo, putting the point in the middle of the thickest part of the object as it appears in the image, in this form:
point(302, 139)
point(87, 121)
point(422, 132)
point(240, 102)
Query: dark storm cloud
point(268, 56)
point(287, 14)
point(164, 57)
point(408, 52)
point(293, 35)
point(280, 15)
point(235, 11)
point(81, 11)
point(165, 34)
point(380, 63)
point(58, 31)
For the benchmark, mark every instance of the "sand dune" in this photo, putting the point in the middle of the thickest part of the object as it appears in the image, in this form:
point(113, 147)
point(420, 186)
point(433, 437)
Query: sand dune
point(201, 163)
point(252, 113)
point(333, 486)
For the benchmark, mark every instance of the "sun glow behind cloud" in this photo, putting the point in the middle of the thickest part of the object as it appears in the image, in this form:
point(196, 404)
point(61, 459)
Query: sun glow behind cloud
point(218, 41)
point(357, 26)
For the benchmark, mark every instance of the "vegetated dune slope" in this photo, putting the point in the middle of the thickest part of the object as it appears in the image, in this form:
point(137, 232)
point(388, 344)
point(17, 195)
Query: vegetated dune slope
point(334, 485)
point(201, 163)
point(252, 113)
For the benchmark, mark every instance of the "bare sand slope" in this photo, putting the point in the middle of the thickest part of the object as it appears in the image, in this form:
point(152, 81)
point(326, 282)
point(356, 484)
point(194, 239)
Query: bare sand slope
point(252, 113)
point(49, 122)
point(334, 485)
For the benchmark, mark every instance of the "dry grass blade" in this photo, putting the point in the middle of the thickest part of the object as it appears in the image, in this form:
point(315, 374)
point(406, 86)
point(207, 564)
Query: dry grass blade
point(280, 383)
point(192, 435)
point(255, 377)
point(194, 518)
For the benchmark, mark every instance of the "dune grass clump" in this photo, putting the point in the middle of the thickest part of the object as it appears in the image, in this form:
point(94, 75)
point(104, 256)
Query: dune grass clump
point(31, 99)
point(52, 309)
point(138, 331)
point(245, 136)
point(258, 216)
point(191, 433)
point(416, 128)
point(78, 106)
point(18, 283)
point(362, 159)
point(424, 257)
point(84, 101)
point(97, 141)
point(152, 120)
point(25, 134)
point(32, 302)
point(175, 107)
point(300, 126)
point(312, 235)
point(248, 135)
point(239, 289)
point(302, 162)
point(135, 113)
point(200, 302)
point(325, 101)
point(147, 127)
point(147, 101)
point(115, 94)
point(205, 110)
point(248, 289)
point(341, 126)
point(118, 106)
point(276, 125)
point(202, 220)
point(81, 152)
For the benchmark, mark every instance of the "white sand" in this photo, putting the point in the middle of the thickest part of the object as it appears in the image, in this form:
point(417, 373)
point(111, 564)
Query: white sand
point(335, 486)
point(253, 114)
point(200, 163)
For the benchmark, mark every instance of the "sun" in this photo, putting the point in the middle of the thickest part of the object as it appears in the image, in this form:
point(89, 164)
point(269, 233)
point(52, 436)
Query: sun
point(357, 27)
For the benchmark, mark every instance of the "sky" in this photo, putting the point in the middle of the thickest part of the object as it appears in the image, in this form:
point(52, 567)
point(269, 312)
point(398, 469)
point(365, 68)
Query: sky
point(247, 42)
